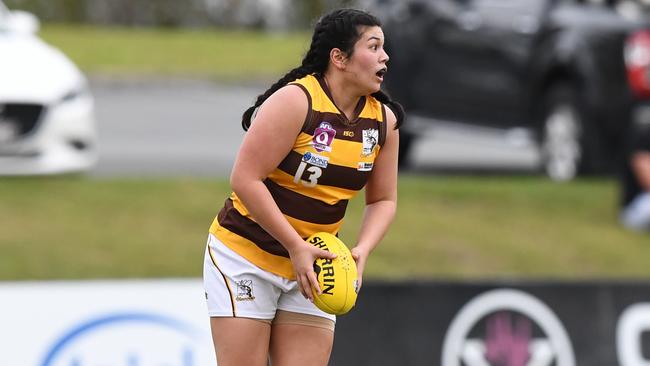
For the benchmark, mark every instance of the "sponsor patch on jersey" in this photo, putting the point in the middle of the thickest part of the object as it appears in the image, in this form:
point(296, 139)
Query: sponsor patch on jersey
point(364, 166)
point(323, 137)
point(315, 159)
point(370, 139)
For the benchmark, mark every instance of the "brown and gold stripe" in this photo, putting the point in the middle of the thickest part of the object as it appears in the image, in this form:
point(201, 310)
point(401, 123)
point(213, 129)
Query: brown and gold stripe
point(243, 226)
point(279, 265)
point(326, 194)
point(333, 175)
point(305, 208)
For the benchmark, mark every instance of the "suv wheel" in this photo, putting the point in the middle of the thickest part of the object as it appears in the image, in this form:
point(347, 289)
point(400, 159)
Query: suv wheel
point(562, 135)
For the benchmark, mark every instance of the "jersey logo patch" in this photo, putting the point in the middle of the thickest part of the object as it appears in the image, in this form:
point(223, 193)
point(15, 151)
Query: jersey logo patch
point(315, 159)
point(370, 139)
point(323, 137)
point(364, 166)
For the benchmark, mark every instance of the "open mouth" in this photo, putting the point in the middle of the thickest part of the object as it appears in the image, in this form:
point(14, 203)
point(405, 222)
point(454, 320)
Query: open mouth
point(381, 72)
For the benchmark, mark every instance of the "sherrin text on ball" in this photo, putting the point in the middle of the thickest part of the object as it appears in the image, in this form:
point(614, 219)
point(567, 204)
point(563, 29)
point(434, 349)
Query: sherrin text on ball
point(337, 277)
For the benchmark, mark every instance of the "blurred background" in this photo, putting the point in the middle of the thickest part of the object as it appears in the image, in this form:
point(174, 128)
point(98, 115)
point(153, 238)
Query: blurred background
point(130, 96)
point(120, 121)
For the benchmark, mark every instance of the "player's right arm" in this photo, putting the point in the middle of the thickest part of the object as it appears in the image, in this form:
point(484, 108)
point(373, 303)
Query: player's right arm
point(269, 139)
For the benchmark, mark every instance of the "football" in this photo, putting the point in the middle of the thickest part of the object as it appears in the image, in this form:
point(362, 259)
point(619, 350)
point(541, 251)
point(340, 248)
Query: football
point(337, 277)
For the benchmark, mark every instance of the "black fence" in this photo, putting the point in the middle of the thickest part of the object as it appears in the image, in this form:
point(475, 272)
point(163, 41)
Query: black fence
point(497, 324)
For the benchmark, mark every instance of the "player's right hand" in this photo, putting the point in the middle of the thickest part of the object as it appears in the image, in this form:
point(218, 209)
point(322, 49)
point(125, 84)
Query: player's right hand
point(303, 258)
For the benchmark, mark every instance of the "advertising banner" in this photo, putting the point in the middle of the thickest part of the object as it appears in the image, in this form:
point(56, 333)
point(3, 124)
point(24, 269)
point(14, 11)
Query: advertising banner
point(497, 324)
point(164, 323)
point(105, 323)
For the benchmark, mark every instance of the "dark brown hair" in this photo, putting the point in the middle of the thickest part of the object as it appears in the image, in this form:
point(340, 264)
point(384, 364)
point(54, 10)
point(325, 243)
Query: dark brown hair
point(337, 29)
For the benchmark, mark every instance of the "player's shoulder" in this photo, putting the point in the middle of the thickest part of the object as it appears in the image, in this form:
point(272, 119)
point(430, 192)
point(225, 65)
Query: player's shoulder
point(288, 106)
point(391, 117)
point(289, 96)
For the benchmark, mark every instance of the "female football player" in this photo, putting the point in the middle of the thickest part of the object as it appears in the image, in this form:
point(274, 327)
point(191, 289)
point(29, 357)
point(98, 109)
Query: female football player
point(320, 134)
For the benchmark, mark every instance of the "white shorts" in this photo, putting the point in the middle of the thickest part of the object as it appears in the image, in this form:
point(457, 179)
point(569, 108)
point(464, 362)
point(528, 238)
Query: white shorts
point(234, 287)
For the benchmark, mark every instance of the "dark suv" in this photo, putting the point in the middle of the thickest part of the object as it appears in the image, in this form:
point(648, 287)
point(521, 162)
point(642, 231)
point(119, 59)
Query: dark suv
point(574, 73)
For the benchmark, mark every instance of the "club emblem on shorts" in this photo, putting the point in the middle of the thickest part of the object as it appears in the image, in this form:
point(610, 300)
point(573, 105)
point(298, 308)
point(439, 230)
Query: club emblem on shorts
point(323, 137)
point(370, 139)
point(245, 290)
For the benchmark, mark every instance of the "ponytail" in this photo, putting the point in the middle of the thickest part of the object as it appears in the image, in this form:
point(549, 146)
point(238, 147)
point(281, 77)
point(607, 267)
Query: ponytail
point(393, 105)
point(294, 74)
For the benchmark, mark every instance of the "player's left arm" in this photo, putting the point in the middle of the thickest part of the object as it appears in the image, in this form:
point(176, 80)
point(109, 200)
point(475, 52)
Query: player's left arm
point(381, 197)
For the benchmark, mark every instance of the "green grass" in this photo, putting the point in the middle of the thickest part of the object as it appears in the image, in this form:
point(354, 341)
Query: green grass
point(446, 227)
point(227, 55)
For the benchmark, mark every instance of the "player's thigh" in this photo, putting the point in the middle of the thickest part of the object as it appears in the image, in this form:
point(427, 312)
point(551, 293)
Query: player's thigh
point(240, 341)
point(304, 341)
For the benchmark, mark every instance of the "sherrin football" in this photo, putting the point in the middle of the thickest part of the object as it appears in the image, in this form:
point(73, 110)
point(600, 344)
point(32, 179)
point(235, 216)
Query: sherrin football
point(337, 277)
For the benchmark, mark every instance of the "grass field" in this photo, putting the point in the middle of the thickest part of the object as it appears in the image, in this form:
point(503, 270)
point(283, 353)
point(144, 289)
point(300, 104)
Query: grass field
point(447, 227)
point(233, 56)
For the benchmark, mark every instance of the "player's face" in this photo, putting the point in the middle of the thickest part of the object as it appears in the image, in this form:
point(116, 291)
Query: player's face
point(367, 65)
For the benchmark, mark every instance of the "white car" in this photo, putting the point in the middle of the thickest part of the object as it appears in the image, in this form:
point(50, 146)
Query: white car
point(47, 115)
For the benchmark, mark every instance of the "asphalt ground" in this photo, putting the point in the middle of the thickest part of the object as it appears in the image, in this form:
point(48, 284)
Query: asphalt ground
point(169, 128)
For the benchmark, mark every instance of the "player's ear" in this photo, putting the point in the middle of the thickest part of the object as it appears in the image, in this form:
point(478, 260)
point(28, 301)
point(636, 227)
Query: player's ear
point(338, 58)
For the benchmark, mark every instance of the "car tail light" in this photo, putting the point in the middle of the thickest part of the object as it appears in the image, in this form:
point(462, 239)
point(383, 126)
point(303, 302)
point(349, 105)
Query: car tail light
point(637, 62)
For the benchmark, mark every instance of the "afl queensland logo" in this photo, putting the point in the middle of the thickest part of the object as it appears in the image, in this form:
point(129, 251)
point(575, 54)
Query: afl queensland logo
point(323, 137)
point(142, 339)
point(506, 327)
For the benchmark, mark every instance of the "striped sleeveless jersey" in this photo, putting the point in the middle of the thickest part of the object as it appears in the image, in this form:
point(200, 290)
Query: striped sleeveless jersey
point(329, 164)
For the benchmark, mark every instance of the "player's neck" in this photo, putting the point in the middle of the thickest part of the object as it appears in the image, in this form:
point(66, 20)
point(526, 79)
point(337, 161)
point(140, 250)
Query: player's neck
point(341, 95)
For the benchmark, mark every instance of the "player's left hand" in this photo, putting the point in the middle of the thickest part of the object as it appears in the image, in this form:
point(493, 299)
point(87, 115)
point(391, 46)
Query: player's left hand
point(360, 256)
